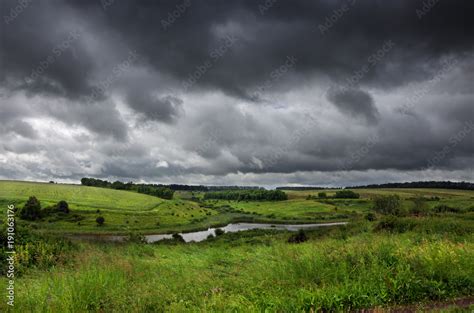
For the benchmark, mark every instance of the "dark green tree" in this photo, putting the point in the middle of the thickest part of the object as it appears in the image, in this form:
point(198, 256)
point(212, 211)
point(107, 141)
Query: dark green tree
point(63, 206)
point(32, 209)
point(100, 220)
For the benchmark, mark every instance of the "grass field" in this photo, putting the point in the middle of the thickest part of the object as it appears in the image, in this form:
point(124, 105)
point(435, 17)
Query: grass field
point(125, 210)
point(386, 262)
point(339, 269)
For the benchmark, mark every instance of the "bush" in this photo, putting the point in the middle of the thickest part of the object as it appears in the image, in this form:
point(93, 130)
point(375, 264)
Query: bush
point(420, 206)
point(34, 250)
point(388, 205)
point(346, 194)
point(178, 237)
point(445, 209)
point(219, 232)
point(371, 217)
point(322, 195)
point(395, 224)
point(32, 209)
point(100, 220)
point(63, 206)
point(299, 237)
point(136, 237)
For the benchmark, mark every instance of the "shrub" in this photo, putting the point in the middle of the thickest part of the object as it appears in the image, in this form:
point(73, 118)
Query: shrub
point(100, 220)
point(219, 232)
point(346, 194)
point(63, 206)
point(34, 250)
point(445, 209)
point(299, 237)
point(322, 195)
point(395, 224)
point(370, 217)
point(178, 237)
point(136, 237)
point(32, 209)
point(420, 206)
point(388, 205)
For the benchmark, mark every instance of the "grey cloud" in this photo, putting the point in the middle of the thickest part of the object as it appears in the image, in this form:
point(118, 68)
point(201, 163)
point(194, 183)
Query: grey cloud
point(153, 107)
point(354, 102)
point(214, 130)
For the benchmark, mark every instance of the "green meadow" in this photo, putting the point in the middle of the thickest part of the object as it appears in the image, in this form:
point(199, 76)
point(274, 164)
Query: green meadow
point(412, 261)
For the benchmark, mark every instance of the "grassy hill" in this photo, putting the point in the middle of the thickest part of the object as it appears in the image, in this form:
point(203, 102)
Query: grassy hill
point(122, 210)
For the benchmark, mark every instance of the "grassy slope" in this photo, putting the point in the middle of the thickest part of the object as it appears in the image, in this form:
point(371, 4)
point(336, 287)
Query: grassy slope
point(121, 209)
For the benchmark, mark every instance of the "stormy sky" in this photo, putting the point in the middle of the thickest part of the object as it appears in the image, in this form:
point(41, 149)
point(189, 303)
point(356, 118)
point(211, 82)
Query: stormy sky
point(237, 92)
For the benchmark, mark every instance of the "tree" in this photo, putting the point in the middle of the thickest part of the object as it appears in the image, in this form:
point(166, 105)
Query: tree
point(219, 232)
point(63, 206)
point(391, 204)
point(32, 209)
point(118, 185)
point(322, 195)
point(100, 220)
point(299, 237)
point(346, 194)
point(419, 206)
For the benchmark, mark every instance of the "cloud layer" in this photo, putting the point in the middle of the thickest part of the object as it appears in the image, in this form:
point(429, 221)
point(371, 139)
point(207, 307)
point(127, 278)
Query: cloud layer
point(326, 92)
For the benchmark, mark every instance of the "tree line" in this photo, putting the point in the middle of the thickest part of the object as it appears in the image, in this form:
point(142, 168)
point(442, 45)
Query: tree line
point(176, 187)
point(160, 191)
point(424, 184)
point(248, 195)
point(300, 188)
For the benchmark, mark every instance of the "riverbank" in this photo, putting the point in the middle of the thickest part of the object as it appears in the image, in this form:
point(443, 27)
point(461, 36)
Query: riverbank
point(338, 268)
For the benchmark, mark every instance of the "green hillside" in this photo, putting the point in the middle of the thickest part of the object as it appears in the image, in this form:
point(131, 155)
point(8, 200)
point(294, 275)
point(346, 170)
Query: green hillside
point(122, 210)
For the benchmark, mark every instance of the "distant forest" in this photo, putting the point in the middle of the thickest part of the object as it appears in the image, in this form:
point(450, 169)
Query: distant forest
point(248, 195)
point(423, 184)
point(303, 188)
point(159, 190)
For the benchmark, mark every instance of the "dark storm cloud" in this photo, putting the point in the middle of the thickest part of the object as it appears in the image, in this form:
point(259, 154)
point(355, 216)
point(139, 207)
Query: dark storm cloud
point(42, 52)
point(179, 46)
point(69, 61)
point(152, 107)
point(291, 29)
point(354, 102)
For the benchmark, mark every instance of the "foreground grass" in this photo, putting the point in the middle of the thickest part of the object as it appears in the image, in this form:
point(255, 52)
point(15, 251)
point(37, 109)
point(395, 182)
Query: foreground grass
point(338, 269)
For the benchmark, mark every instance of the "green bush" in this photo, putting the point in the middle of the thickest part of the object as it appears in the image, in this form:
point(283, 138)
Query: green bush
point(346, 194)
point(136, 237)
point(445, 209)
point(177, 237)
point(100, 220)
point(32, 209)
point(299, 237)
point(322, 195)
point(63, 206)
point(420, 207)
point(33, 250)
point(370, 217)
point(391, 205)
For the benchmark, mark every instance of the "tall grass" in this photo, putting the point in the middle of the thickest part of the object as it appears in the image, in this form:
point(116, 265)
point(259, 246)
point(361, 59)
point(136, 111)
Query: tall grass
point(330, 273)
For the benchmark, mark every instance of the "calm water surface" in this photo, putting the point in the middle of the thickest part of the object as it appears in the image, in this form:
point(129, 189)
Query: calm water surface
point(203, 234)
